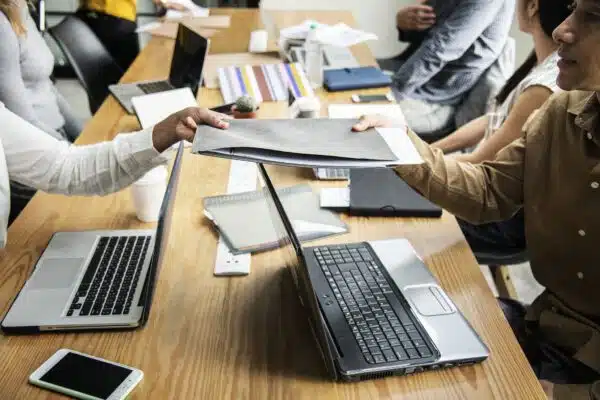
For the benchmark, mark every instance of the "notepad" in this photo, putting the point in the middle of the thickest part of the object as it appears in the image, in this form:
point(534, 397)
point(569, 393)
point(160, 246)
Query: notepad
point(245, 219)
point(267, 82)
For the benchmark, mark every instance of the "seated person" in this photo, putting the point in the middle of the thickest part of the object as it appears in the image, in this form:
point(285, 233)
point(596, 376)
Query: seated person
point(552, 173)
point(26, 89)
point(529, 87)
point(114, 23)
point(459, 41)
point(31, 157)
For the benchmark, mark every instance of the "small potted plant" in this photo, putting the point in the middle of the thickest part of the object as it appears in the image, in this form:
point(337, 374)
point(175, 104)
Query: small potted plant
point(244, 108)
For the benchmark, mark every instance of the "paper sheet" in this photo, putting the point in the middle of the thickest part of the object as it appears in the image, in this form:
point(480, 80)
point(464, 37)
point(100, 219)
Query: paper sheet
point(335, 197)
point(337, 35)
point(190, 6)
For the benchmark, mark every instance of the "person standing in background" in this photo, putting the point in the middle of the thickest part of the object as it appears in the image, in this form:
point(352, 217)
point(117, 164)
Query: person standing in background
point(114, 22)
point(453, 43)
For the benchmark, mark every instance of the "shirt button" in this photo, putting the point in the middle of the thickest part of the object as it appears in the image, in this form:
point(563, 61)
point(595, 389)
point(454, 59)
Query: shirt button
point(595, 185)
point(589, 135)
point(581, 232)
point(580, 275)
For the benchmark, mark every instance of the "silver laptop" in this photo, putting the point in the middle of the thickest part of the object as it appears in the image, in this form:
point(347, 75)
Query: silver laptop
point(374, 307)
point(187, 63)
point(95, 279)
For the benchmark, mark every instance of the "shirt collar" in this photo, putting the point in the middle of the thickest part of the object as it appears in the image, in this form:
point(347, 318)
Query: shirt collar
point(586, 112)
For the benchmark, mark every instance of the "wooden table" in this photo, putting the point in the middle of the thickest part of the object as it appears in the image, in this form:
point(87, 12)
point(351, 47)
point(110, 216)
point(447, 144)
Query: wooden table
point(246, 337)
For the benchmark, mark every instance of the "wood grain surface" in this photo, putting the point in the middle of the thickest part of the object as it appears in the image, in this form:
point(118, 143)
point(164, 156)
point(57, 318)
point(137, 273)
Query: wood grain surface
point(246, 337)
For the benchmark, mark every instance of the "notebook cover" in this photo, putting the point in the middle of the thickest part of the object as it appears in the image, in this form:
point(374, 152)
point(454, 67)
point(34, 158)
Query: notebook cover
point(244, 219)
point(355, 78)
point(380, 192)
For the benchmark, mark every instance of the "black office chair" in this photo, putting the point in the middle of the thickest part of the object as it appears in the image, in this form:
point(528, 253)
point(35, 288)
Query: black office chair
point(93, 65)
point(497, 261)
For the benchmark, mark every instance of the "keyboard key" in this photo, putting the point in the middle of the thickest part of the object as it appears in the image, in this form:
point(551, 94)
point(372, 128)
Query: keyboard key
point(369, 359)
point(403, 337)
point(412, 353)
point(408, 344)
point(415, 335)
point(419, 343)
point(371, 343)
point(375, 351)
point(69, 313)
point(400, 353)
point(384, 346)
point(424, 352)
point(394, 342)
point(389, 355)
point(410, 328)
point(379, 359)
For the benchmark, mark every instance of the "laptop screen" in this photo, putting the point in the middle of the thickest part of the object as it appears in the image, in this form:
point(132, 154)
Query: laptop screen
point(294, 260)
point(162, 234)
point(188, 59)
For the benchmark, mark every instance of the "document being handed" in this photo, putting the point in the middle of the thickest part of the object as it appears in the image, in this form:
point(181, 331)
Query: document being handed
point(307, 143)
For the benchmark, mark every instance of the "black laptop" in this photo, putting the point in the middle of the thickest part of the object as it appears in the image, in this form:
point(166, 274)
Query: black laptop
point(374, 307)
point(187, 63)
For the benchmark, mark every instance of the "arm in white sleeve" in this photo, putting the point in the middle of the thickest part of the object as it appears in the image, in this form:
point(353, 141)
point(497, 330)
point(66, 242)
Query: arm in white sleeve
point(36, 159)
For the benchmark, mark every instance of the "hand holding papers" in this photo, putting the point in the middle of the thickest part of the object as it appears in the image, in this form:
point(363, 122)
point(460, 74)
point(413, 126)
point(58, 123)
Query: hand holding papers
point(308, 143)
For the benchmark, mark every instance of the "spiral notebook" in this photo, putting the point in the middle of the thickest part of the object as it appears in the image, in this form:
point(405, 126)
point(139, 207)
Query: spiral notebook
point(244, 219)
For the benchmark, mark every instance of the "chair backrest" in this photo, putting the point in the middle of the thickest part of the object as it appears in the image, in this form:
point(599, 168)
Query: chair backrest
point(92, 63)
point(488, 85)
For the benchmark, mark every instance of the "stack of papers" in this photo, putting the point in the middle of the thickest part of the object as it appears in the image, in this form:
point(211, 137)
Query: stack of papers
point(337, 35)
point(192, 10)
point(328, 143)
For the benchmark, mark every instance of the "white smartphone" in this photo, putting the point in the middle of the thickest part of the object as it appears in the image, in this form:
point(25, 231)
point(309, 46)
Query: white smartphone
point(368, 98)
point(86, 377)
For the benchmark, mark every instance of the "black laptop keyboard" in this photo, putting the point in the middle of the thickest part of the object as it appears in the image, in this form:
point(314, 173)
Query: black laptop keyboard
point(155, 87)
point(384, 334)
point(112, 276)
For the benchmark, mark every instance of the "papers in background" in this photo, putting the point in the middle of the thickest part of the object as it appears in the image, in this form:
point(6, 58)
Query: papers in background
point(268, 82)
point(337, 35)
point(192, 10)
point(335, 197)
point(216, 61)
point(153, 108)
point(205, 26)
point(391, 111)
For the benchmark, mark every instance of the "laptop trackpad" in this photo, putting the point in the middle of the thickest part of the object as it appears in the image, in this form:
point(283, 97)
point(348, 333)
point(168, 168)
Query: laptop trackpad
point(428, 300)
point(55, 273)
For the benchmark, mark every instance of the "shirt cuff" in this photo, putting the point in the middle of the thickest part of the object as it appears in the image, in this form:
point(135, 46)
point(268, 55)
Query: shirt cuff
point(141, 148)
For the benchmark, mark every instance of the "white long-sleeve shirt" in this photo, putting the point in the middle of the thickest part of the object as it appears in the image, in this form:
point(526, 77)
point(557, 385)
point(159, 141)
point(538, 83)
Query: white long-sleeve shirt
point(32, 157)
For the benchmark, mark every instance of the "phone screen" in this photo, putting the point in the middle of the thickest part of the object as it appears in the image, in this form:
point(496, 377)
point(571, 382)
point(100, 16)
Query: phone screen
point(86, 375)
point(372, 97)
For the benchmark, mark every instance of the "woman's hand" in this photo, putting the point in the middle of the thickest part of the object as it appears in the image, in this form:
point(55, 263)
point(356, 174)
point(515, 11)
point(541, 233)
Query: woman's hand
point(182, 126)
point(372, 121)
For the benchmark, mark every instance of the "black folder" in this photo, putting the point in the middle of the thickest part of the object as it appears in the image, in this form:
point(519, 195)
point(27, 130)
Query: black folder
point(380, 192)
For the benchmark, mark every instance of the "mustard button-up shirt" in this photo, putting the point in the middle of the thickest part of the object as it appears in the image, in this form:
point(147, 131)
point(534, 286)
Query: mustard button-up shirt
point(553, 172)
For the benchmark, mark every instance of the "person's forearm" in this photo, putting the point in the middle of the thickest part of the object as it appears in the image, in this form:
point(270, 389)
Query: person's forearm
point(476, 193)
point(466, 136)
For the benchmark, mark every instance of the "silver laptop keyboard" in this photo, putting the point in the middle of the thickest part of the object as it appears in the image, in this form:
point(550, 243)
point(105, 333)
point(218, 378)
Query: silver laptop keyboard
point(384, 333)
point(111, 278)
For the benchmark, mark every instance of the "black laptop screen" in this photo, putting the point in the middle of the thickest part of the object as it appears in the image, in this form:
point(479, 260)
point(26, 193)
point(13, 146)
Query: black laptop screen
point(188, 59)
point(162, 234)
point(294, 261)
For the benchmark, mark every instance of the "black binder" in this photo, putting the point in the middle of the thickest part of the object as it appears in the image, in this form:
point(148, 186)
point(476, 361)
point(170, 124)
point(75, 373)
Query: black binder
point(380, 192)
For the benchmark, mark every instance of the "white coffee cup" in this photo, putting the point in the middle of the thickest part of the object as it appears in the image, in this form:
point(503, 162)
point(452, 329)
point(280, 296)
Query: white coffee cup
point(308, 107)
point(148, 193)
point(258, 41)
